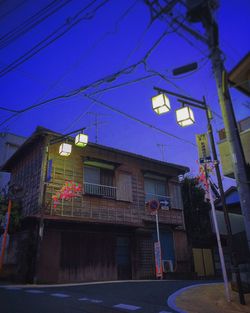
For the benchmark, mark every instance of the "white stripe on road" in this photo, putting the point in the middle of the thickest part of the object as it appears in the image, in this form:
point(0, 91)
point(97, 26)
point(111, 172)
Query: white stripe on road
point(95, 301)
point(34, 291)
point(126, 307)
point(90, 300)
point(12, 288)
point(59, 295)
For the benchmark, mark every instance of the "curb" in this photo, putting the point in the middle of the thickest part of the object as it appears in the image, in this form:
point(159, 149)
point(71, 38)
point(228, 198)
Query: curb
point(171, 299)
point(80, 284)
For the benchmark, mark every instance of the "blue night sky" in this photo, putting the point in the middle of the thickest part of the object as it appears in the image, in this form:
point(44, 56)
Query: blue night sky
point(104, 38)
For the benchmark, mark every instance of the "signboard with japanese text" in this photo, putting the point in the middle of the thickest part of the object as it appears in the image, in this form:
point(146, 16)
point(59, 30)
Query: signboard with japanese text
point(203, 148)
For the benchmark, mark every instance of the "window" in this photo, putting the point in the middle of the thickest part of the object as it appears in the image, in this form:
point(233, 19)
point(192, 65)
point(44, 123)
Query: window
point(175, 193)
point(99, 181)
point(124, 187)
point(156, 188)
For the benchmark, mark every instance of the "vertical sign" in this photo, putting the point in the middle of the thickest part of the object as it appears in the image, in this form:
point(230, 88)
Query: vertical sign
point(5, 235)
point(49, 171)
point(203, 148)
point(158, 265)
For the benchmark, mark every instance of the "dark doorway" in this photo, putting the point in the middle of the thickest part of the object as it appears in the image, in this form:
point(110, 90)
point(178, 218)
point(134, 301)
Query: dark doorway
point(123, 258)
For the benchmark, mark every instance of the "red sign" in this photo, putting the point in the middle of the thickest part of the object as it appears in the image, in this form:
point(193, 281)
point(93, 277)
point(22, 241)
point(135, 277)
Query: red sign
point(153, 206)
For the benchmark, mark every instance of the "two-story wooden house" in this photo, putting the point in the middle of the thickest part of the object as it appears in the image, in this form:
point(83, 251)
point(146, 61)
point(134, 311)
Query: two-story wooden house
point(93, 207)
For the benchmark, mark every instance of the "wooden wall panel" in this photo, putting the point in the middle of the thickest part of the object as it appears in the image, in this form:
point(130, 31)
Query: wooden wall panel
point(87, 256)
point(181, 251)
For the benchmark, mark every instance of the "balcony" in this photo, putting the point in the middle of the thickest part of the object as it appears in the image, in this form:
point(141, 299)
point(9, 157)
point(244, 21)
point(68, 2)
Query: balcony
point(100, 190)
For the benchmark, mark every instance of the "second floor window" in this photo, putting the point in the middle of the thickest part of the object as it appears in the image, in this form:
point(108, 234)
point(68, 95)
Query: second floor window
point(155, 188)
point(99, 181)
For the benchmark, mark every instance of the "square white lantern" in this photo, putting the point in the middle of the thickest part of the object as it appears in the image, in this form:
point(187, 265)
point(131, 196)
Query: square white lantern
point(65, 149)
point(81, 140)
point(185, 116)
point(161, 104)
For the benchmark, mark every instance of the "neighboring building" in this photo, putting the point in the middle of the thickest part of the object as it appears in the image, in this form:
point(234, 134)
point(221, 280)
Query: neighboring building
point(225, 154)
point(96, 222)
point(9, 143)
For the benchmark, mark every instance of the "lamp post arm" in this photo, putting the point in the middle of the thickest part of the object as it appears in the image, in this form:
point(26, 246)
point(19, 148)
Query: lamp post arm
point(58, 139)
point(178, 95)
point(202, 107)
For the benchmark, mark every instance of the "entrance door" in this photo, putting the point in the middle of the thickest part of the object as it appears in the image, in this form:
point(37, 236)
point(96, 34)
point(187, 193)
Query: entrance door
point(123, 258)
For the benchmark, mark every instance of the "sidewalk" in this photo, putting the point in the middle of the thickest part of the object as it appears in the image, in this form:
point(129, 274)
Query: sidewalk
point(210, 299)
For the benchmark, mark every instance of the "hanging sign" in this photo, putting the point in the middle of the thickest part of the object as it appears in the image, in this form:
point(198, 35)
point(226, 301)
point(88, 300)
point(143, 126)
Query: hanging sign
point(49, 171)
point(203, 148)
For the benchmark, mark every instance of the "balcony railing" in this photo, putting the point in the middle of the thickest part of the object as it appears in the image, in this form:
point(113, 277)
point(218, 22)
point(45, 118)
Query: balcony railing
point(100, 190)
point(165, 201)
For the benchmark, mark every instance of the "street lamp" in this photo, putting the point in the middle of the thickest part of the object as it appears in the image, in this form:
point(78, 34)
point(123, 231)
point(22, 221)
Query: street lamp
point(184, 100)
point(161, 104)
point(185, 116)
point(81, 140)
point(65, 149)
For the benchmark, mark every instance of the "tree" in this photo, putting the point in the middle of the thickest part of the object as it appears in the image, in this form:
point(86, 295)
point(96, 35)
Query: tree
point(196, 211)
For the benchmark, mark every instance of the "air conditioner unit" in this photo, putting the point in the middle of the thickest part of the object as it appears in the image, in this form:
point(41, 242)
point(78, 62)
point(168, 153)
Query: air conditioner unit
point(167, 266)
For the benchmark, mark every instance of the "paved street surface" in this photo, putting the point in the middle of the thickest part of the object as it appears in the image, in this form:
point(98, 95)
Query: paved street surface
point(148, 297)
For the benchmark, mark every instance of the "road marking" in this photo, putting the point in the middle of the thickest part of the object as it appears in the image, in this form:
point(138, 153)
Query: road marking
point(34, 291)
point(60, 295)
point(95, 301)
point(165, 312)
point(127, 307)
point(12, 288)
point(83, 299)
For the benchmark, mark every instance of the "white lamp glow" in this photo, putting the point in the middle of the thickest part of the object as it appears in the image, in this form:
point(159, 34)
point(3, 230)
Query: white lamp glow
point(161, 104)
point(185, 116)
point(65, 149)
point(81, 140)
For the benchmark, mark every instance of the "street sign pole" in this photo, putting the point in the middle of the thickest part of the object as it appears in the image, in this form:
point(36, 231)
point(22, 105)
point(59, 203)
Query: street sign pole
point(222, 260)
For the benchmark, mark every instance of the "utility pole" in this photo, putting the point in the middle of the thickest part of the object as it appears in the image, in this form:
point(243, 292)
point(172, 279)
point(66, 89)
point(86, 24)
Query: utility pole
point(232, 134)
point(202, 11)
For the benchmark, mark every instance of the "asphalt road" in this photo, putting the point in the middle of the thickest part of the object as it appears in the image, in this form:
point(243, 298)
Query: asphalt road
point(148, 297)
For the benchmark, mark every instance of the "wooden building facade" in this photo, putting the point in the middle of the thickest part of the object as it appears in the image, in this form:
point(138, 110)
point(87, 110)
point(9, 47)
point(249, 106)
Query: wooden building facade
point(93, 205)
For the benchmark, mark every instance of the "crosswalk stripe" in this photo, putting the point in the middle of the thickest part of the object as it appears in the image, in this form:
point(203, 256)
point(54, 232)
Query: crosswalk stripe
point(34, 291)
point(60, 295)
point(12, 288)
point(95, 301)
point(126, 307)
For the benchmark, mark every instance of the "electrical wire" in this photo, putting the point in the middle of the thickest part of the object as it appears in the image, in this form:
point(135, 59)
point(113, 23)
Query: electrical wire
point(69, 24)
point(12, 10)
point(137, 119)
point(31, 22)
point(108, 79)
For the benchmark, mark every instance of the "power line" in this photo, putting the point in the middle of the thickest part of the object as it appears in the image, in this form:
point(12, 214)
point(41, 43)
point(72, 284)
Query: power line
point(137, 119)
point(12, 10)
point(107, 79)
point(31, 22)
point(70, 23)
